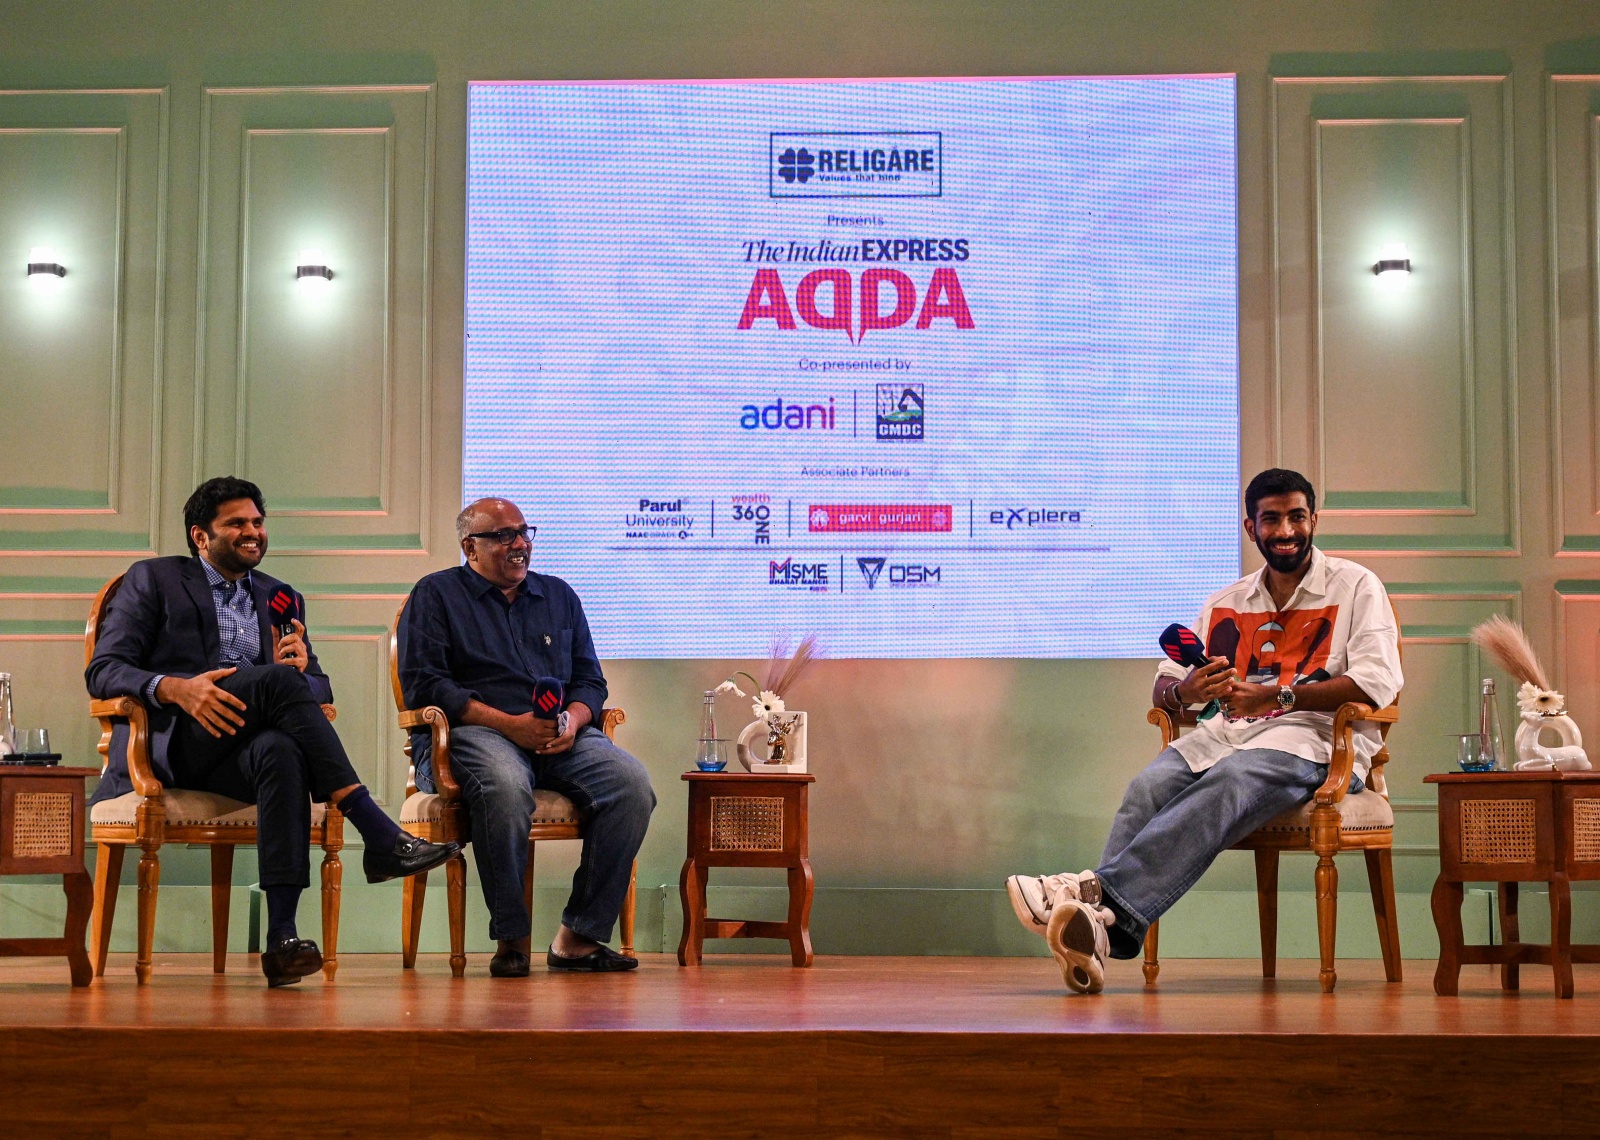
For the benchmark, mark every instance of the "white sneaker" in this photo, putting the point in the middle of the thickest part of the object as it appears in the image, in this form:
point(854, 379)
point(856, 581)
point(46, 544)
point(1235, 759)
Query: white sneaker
point(1033, 896)
point(1077, 937)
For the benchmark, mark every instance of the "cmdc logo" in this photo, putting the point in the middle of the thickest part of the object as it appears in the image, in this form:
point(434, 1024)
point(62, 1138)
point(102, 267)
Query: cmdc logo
point(796, 166)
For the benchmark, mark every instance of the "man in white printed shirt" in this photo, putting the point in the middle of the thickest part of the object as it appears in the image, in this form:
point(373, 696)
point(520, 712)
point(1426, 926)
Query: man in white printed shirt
point(1287, 646)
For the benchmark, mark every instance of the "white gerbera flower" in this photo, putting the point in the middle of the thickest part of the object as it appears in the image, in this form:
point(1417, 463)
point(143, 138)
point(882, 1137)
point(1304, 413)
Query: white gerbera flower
point(1540, 702)
point(729, 687)
point(768, 704)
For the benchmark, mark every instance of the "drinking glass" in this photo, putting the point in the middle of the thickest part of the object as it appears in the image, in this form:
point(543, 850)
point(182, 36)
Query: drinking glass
point(712, 756)
point(33, 741)
point(1472, 755)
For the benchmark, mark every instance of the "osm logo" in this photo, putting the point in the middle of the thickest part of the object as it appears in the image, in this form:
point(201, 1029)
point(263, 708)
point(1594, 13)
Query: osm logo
point(899, 574)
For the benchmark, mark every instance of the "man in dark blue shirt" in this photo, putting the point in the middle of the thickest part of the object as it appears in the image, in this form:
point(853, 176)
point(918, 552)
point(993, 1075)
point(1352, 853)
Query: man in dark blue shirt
point(474, 640)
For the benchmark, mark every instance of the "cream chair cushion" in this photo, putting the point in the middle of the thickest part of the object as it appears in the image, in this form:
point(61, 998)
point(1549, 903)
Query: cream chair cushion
point(548, 807)
point(186, 807)
point(1368, 811)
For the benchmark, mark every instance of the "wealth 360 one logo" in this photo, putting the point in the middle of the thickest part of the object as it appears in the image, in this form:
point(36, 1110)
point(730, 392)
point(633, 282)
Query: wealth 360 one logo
point(855, 164)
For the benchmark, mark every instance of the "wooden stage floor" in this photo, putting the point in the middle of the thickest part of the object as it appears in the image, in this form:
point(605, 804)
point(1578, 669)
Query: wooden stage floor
point(748, 1046)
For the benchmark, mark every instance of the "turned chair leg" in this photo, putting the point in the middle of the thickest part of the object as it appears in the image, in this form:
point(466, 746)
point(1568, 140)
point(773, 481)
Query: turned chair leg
point(332, 893)
point(221, 889)
point(1267, 907)
point(527, 880)
point(412, 894)
point(107, 876)
point(149, 885)
point(455, 877)
point(1152, 961)
point(1380, 877)
point(629, 905)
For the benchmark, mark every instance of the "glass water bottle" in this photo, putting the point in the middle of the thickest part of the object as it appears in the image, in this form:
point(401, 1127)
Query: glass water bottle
point(711, 755)
point(8, 731)
point(1494, 745)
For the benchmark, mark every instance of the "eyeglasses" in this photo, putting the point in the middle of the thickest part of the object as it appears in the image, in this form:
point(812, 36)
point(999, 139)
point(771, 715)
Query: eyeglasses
point(506, 535)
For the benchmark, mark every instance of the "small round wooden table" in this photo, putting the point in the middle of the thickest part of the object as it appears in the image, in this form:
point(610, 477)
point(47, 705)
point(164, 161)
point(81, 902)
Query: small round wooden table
point(739, 819)
point(1510, 828)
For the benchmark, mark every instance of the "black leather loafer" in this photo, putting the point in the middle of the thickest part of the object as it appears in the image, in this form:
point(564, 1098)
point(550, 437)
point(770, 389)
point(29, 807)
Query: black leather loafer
point(600, 960)
point(410, 856)
point(285, 963)
point(509, 964)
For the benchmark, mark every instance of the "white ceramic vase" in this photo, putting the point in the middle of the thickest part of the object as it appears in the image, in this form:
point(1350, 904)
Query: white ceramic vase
point(754, 738)
point(1567, 756)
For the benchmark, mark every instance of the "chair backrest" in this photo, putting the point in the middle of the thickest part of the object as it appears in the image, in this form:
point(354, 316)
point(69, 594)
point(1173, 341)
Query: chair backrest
point(97, 615)
point(394, 659)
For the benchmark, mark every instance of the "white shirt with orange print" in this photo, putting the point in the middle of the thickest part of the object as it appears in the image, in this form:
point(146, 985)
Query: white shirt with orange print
point(1338, 623)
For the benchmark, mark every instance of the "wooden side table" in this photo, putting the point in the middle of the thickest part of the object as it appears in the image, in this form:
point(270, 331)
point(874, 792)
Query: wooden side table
point(1506, 828)
point(747, 820)
point(41, 833)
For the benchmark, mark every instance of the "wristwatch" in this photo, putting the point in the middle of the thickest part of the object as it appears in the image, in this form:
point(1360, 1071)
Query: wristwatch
point(1285, 698)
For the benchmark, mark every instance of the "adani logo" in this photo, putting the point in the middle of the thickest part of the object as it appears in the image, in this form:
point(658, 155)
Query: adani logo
point(788, 415)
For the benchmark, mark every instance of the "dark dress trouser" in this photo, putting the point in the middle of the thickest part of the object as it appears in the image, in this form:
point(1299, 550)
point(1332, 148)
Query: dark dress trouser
point(285, 756)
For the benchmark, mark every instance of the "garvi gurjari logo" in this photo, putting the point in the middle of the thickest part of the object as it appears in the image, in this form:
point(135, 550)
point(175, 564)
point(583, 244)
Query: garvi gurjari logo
point(1284, 648)
point(855, 284)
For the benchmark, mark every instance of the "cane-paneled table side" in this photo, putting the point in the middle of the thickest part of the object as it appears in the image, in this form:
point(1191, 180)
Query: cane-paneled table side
point(747, 820)
point(41, 833)
point(1509, 828)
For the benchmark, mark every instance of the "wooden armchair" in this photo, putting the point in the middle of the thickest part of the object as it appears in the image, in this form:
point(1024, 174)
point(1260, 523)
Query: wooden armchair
point(441, 817)
point(1332, 822)
point(151, 815)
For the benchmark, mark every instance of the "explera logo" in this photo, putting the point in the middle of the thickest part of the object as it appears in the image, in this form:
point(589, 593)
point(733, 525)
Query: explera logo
point(1049, 518)
point(796, 165)
point(901, 411)
point(789, 416)
point(811, 576)
point(900, 574)
point(768, 300)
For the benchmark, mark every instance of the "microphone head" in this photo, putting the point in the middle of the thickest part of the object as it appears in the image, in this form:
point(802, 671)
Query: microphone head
point(281, 603)
point(549, 695)
point(1183, 645)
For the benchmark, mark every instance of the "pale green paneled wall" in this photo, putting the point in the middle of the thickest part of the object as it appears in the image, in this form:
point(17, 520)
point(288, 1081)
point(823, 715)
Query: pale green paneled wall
point(180, 156)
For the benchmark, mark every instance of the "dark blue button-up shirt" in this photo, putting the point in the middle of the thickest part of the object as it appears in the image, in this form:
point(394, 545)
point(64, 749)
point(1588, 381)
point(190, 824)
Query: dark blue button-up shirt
point(461, 640)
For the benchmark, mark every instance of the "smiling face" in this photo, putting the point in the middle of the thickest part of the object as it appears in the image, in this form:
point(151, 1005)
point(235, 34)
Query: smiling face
point(236, 540)
point(505, 566)
point(1282, 530)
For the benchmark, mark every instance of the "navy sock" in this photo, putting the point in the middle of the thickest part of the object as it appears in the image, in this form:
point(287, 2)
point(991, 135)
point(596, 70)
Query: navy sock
point(282, 902)
point(376, 828)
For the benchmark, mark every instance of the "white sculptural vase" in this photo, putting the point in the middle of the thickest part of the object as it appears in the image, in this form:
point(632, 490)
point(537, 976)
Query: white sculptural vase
point(790, 750)
point(1568, 756)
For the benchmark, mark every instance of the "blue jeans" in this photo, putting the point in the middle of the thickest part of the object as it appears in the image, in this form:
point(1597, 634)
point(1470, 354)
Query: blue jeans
point(609, 787)
point(1174, 822)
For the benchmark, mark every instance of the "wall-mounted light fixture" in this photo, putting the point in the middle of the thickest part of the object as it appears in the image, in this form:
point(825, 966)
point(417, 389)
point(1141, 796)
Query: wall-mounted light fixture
point(1393, 260)
point(312, 272)
point(44, 267)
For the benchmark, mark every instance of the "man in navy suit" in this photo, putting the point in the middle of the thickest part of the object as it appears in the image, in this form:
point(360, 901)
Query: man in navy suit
point(235, 707)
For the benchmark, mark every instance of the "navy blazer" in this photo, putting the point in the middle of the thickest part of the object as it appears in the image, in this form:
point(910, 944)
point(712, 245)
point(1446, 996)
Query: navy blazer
point(163, 620)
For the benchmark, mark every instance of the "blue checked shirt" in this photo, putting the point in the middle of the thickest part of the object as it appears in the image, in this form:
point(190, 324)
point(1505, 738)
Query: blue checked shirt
point(237, 627)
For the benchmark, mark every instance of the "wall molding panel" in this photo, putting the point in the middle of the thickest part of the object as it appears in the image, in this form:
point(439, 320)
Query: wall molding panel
point(1359, 165)
point(82, 174)
point(1573, 149)
point(345, 174)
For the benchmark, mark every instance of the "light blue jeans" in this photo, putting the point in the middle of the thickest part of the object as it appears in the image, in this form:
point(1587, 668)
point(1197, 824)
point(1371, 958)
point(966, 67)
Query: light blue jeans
point(1174, 822)
point(497, 779)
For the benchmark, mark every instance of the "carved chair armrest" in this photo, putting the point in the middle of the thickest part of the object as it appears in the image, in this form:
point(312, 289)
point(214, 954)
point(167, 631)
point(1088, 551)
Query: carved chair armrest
point(434, 719)
point(330, 712)
point(610, 721)
point(1169, 722)
point(1345, 718)
point(132, 710)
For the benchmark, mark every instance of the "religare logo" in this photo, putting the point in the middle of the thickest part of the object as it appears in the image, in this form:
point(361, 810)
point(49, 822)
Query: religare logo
point(855, 164)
